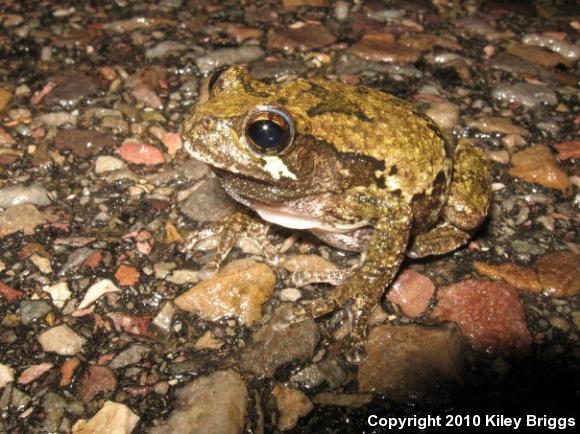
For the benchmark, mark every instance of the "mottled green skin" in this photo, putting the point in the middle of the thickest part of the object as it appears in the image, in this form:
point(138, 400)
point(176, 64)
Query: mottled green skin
point(359, 157)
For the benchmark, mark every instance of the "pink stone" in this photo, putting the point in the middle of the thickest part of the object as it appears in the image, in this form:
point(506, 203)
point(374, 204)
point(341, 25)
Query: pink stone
point(412, 292)
point(489, 314)
point(140, 153)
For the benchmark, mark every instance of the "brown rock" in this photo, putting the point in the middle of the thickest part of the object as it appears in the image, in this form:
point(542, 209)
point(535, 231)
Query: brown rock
point(303, 38)
point(97, 379)
point(23, 217)
point(517, 275)
point(283, 339)
point(377, 48)
point(497, 124)
point(290, 5)
point(239, 289)
point(71, 90)
point(491, 315)
point(215, 404)
point(409, 361)
point(537, 55)
point(83, 143)
point(9, 294)
point(292, 404)
point(67, 371)
point(556, 274)
point(559, 273)
point(5, 98)
point(412, 292)
point(538, 165)
point(426, 41)
point(568, 150)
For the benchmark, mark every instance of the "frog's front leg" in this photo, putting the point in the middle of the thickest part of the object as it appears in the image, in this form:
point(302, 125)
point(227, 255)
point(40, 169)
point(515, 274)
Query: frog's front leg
point(229, 231)
point(466, 208)
point(392, 220)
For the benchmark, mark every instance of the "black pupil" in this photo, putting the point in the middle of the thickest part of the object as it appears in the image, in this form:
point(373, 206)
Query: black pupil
point(267, 134)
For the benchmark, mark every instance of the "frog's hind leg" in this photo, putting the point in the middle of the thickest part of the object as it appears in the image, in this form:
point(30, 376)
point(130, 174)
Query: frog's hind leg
point(467, 205)
point(387, 246)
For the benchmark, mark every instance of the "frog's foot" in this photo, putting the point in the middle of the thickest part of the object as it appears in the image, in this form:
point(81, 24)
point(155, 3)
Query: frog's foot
point(228, 232)
point(443, 238)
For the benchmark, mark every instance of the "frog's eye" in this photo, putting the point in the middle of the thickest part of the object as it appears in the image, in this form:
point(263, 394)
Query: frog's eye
point(269, 130)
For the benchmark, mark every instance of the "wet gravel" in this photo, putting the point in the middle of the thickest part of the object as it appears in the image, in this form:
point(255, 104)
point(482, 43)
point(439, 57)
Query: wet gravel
point(97, 198)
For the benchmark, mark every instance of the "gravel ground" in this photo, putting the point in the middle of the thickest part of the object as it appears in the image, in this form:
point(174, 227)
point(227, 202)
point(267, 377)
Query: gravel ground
point(105, 318)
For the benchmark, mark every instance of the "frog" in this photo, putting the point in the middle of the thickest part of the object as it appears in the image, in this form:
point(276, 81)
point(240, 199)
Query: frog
point(360, 169)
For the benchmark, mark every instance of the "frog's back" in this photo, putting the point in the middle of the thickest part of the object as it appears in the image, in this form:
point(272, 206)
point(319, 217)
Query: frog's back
point(373, 124)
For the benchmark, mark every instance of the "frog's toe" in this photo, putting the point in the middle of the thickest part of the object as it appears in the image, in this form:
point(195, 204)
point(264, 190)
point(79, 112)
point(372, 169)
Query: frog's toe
point(443, 238)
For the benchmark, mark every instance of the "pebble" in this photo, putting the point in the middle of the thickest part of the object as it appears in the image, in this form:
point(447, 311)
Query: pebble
point(55, 119)
point(83, 143)
point(383, 48)
point(327, 371)
point(164, 48)
point(290, 5)
point(140, 153)
point(162, 320)
point(280, 341)
point(183, 277)
point(497, 124)
point(42, 263)
point(97, 380)
point(71, 91)
point(444, 114)
point(536, 164)
point(5, 99)
point(59, 293)
point(33, 372)
point(96, 291)
point(292, 405)
point(239, 289)
point(112, 418)
point(290, 294)
point(61, 340)
point(407, 362)
point(300, 38)
point(526, 94)
point(537, 55)
point(341, 10)
point(208, 202)
point(489, 314)
point(215, 404)
point(568, 150)
point(127, 275)
point(412, 292)
point(6, 375)
point(229, 56)
point(563, 48)
point(107, 163)
point(131, 356)
point(23, 217)
point(33, 310)
point(35, 194)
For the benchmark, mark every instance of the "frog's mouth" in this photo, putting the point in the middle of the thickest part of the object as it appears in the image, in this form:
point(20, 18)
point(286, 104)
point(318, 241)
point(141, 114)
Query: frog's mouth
point(295, 211)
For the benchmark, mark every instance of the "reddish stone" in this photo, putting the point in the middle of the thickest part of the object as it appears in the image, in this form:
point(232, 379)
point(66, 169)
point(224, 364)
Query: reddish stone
point(140, 153)
point(490, 314)
point(97, 379)
point(94, 259)
point(568, 150)
point(412, 292)
point(67, 371)
point(136, 325)
point(127, 275)
point(9, 293)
